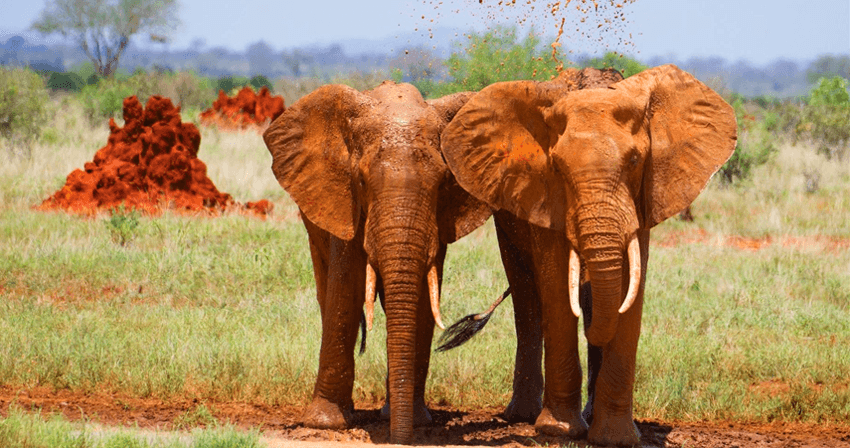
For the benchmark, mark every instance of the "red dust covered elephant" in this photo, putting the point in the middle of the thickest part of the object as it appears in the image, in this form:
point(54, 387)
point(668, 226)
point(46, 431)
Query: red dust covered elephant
point(578, 179)
point(380, 207)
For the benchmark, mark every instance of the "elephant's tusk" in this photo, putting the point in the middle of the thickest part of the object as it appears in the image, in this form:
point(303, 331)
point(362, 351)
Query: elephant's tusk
point(634, 274)
point(574, 279)
point(434, 291)
point(370, 295)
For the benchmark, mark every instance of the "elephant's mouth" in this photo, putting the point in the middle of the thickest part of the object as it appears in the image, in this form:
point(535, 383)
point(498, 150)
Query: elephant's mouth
point(574, 277)
point(433, 292)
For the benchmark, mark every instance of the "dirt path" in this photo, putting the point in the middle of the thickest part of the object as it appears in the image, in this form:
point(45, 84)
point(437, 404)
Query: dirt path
point(830, 244)
point(451, 427)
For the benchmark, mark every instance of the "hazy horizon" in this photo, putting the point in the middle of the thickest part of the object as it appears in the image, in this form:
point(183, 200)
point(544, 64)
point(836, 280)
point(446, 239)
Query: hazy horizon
point(758, 31)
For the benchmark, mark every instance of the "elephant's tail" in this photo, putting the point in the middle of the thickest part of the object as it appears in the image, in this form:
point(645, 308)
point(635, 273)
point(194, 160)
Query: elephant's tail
point(464, 329)
point(362, 332)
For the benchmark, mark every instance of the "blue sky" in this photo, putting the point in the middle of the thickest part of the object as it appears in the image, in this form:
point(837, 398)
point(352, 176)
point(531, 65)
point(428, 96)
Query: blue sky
point(759, 31)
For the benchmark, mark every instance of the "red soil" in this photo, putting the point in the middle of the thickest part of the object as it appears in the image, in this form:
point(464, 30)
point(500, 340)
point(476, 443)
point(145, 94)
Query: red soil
point(149, 164)
point(451, 427)
point(244, 110)
point(828, 243)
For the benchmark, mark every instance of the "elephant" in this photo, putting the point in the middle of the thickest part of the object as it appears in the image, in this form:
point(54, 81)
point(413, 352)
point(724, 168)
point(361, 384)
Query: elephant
point(577, 178)
point(380, 207)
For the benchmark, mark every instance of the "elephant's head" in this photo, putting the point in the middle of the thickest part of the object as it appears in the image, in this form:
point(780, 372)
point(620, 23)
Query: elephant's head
point(598, 164)
point(372, 162)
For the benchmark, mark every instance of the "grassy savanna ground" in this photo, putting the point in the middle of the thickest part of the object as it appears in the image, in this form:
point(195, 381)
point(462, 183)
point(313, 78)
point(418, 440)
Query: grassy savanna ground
point(223, 309)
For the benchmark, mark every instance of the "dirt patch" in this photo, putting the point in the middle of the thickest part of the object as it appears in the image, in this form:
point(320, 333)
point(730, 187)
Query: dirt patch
point(701, 236)
point(483, 427)
point(149, 164)
point(245, 110)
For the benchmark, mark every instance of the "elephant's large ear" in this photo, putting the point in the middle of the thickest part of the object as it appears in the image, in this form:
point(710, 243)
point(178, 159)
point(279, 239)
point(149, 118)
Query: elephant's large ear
point(497, 147)
point(693, 132)
point(309, 144)
point(459, 213)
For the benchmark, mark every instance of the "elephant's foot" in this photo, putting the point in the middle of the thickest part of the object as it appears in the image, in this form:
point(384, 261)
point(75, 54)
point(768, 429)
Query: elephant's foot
point(523, 409)
point(619, 431)
point(323, 414)
point(421, 415)
point(560, 423)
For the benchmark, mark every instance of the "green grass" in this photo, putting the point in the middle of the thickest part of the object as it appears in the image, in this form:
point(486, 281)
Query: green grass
point(32, 430)
point(224, 308)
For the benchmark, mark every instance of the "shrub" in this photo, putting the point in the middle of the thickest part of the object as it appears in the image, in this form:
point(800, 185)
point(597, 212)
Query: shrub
point(122, 224)
point(826, 119)
point(623, 64)
point(755, 146)
point(66, 81)
point(229, 83)
point(186, 89)
point(493, 57)
point(105, 99)
point(257, 82)
point(23, 105)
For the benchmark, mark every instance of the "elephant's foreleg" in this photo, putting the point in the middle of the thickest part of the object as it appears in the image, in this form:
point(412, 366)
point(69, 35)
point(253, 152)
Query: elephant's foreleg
point(594, 353)
point(527, 400)
point(340, 282)
point(613, 423)
point(561, 414)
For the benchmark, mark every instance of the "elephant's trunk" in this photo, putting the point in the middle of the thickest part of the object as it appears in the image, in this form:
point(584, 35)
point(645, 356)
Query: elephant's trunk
point(401, 287)
point(605, 268)
point(401, 252)
point(601, 239)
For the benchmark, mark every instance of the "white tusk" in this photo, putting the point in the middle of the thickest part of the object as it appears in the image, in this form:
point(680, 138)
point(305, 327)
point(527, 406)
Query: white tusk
point(434, 291)
point(634, 274)
point(370, 295)
point(574, 279)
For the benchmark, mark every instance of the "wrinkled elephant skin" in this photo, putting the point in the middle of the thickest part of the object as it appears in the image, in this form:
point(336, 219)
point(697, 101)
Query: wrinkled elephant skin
point(578, 173)
point(380, 206)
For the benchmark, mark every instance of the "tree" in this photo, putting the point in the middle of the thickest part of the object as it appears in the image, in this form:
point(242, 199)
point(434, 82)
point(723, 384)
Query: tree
point(498, 56)
point(103, 28)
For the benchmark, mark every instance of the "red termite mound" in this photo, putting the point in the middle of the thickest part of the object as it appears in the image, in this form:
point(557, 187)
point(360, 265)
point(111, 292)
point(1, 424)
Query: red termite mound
point(149, 164)
point(246, 109)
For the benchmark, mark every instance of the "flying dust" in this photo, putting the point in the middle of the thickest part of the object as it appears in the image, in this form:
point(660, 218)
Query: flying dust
point(570, 26)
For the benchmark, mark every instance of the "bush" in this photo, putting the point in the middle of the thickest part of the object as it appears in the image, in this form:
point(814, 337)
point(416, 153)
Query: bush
point(106, 98)
point(66, 81)
point(493, 57)
point(186, 89)
point(755, 145)
point(230, 83)
point(826, 119)
point(623, 64)
point(23, 105)
point(260, 81)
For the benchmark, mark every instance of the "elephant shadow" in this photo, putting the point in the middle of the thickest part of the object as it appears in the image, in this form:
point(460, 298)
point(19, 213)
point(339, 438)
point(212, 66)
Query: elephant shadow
point(485, 428)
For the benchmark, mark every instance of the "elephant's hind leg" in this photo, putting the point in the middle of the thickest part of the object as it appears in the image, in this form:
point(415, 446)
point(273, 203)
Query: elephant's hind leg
point(526, 402)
